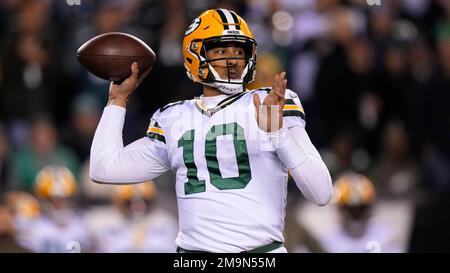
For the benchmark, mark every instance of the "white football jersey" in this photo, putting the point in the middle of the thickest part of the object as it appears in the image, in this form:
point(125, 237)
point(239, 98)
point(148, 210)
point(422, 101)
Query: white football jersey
point(231, 187)
point(46, 235)
point(153, 232)
point(378, 238)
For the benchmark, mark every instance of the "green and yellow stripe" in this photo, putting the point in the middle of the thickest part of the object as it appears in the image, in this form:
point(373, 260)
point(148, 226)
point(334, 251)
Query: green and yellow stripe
point(154, 131)
point(291, 109)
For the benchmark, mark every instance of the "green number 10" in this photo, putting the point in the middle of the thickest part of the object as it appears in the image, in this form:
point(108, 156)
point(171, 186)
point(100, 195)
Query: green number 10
point(194, 185)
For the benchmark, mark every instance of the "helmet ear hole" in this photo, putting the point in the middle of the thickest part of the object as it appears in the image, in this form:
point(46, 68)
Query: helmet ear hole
point(189, 60)
point(201, 72)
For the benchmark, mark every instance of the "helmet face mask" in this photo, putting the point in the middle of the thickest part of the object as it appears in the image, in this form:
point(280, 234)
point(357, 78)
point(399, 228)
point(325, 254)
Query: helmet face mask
point(135, 200)
point(248, 46)
point(218, 28)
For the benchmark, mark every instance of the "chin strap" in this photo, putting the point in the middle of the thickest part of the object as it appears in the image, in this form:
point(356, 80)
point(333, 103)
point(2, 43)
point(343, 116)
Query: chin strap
point(229, 88)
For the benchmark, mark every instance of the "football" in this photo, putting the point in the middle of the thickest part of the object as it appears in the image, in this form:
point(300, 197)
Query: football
point(109, 56)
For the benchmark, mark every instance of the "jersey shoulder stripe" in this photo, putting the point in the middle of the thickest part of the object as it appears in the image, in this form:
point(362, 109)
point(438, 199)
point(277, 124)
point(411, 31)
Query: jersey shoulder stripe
point(156, 136)
point(293, 113)
point(155, 131)
point(292, 109)
point(292, 106)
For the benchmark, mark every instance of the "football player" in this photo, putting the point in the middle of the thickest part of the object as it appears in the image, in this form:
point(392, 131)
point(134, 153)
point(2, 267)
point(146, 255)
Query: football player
point(141, 226)
point(59, 228)
point(358, 230)
point(231, 149)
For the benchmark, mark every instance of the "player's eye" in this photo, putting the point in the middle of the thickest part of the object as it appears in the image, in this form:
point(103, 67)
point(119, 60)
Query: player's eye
point(220, 51)
point(239, 52)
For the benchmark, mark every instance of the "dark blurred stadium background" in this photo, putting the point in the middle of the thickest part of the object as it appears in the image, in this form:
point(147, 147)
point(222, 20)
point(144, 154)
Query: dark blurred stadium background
point(374, 81)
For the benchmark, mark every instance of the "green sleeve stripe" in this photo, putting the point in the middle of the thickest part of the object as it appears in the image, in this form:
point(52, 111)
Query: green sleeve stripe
point(289, 102)
point(156, 136)
point(293, 113)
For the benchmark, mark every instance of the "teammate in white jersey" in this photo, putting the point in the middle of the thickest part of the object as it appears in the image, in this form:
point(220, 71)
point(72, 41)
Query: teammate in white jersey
point(139, 226)
point(358, 231)
point(231, 149)
point(60, 228)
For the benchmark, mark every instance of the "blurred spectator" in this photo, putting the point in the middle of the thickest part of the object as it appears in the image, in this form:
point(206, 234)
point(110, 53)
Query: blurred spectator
point(394, 82)
point(85, 117)
point(380, 25)
point(108, 16)
point(172, 34)
point(421, 60)
point(435, 117)
point(30, 63)
point(5, 162)
point(344, 73)
point(43, 150)
point(395, 173)
point(345, 153)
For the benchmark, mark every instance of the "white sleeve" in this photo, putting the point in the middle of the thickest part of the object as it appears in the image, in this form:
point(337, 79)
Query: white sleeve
point(298, 154)
point(111, 162)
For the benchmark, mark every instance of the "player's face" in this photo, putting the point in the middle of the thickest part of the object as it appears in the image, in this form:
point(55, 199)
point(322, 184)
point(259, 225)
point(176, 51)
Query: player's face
point(231, 68)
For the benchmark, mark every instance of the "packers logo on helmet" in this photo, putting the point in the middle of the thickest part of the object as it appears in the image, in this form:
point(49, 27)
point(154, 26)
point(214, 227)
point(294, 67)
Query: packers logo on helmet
point(193, 26)
point(55, 182)
point(212, 27)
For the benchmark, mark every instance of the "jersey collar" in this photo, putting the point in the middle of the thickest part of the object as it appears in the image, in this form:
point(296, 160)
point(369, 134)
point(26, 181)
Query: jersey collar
point(221, 105)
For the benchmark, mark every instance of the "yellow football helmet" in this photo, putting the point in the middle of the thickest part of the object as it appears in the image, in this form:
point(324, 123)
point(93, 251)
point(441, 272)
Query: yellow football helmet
point(353, 189)
point(23, 204)
point(145, 190)
point(135, 199)
point(212, 27)
point(55, 182)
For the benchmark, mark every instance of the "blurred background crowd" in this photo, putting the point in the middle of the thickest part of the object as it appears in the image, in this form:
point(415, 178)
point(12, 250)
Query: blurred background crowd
point(374, 81)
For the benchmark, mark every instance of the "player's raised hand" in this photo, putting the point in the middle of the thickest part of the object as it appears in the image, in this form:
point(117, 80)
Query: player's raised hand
point(269, 115)
point(121, 92)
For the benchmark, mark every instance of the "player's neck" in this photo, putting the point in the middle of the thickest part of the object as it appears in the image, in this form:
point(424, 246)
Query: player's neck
point(211, 91)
